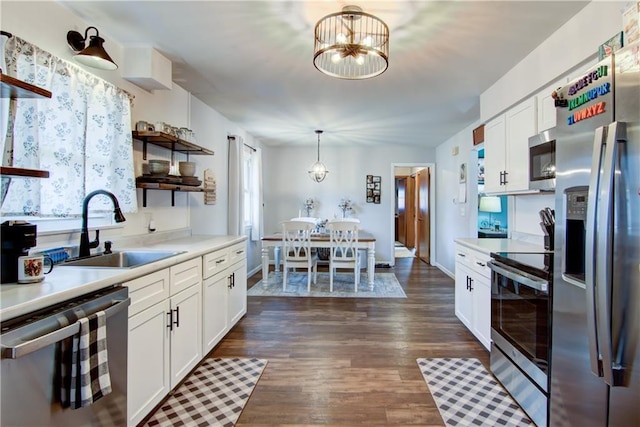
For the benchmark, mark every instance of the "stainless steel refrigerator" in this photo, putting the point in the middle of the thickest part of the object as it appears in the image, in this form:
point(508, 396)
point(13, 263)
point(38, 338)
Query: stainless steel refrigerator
point(595, 353)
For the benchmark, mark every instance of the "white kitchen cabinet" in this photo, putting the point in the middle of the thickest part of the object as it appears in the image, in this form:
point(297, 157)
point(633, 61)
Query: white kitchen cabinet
point(546, 107)
point(148, 380)
point(186, 332)
point(165, 335)
point(473, 292)
point(463, 297)
point(237, 292)
point(507, 149)
point(225, 292)
point(495, 158)
point(215, 310)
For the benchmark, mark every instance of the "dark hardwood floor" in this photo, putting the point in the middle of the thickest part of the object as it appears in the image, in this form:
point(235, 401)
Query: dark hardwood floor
point(346, 362)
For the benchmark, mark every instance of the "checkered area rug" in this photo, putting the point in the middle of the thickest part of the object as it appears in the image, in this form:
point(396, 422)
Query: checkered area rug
point(385, 285)
point(213, 395)
point(467, 394)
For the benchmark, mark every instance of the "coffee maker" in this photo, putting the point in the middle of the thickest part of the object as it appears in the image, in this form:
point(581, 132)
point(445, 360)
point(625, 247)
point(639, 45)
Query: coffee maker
point(17, 238)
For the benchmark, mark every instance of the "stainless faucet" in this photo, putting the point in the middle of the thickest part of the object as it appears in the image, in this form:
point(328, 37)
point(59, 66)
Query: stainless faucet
point(85, 245)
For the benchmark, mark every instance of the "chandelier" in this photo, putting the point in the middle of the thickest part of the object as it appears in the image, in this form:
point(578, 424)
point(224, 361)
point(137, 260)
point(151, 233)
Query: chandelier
point(351, 44)
point(318, 170)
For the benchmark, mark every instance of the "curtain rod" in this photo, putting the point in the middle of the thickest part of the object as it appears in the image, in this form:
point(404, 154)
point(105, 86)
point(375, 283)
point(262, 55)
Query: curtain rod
point(243, 143)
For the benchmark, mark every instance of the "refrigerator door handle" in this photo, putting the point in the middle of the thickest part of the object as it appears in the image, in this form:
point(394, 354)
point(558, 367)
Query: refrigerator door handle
point(590, 251)
point(604, 273)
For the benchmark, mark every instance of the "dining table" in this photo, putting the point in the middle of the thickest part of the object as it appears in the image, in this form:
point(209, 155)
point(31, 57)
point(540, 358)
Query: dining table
point(366, 241)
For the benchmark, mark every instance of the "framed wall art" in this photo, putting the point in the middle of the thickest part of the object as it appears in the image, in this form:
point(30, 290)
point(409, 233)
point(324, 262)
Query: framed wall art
point(374, 188)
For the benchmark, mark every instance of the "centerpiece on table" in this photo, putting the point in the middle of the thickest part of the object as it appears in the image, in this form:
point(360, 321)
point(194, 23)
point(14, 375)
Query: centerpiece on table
point(346, 207)
point(309, 204)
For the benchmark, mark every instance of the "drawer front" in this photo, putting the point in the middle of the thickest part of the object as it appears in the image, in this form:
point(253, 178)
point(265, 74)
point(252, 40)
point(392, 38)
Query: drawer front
point(215, 262)
point(464, 255)
point(187, 274)
point(480, 265)
point(237, 252)
point(148, 290)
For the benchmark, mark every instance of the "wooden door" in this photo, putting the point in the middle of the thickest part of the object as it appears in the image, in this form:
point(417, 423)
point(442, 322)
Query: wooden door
point(423, 231)
point(411, 212)
point(401, 226)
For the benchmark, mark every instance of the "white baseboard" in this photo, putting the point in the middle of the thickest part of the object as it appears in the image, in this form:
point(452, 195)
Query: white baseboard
point(445, 271)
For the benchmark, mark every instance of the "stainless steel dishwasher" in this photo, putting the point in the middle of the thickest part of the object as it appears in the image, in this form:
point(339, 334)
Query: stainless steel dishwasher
point(31, 366)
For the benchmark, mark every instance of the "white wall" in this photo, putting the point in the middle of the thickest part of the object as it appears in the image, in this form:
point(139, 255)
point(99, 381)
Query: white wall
point(574, 43)
point(455, 219)
point(287, 185)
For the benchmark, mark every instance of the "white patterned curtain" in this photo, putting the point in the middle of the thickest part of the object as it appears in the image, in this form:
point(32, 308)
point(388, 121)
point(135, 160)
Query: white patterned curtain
point(258, 202)
point(81, 135)
point(235, 219)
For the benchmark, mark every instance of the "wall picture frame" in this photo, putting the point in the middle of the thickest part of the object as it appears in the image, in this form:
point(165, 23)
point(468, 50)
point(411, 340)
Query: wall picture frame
point(373, 189)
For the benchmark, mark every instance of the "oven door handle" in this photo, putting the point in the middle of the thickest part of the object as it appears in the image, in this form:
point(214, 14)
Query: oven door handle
point(539, 284)
point(27, 347)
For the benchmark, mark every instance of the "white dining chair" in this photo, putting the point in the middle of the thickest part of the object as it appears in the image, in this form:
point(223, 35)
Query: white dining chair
point(343, 236)
point(296, 245)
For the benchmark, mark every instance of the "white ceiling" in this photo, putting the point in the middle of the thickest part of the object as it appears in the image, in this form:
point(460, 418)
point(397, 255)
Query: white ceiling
point(252, 61)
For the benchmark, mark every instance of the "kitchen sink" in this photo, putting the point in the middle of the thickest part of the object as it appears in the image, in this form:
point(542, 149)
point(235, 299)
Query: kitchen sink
point(120, 259)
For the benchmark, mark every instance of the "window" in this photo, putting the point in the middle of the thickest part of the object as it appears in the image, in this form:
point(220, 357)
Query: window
point(82, 136)
point(248, 182)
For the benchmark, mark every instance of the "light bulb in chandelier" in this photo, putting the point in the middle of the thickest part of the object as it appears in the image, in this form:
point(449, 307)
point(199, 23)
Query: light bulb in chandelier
point(318, 172)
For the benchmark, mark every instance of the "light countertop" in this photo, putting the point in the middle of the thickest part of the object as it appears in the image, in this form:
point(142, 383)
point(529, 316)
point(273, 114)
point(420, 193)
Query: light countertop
point(499, 245)
point(65, 283)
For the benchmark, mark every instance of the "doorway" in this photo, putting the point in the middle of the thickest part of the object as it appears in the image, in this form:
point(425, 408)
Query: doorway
point(412, 211)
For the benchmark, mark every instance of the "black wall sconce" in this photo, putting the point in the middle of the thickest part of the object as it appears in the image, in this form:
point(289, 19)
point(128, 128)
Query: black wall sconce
point(94, 55)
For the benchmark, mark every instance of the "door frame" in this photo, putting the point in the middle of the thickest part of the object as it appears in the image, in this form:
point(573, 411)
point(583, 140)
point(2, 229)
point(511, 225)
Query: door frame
point(432, 203)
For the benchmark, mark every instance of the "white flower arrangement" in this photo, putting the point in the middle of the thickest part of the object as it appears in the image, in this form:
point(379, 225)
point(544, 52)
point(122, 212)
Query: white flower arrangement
point(309, 204)
point(346, 206)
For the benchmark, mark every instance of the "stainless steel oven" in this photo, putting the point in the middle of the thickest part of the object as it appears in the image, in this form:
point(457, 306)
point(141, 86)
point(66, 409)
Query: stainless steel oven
point(542, 161)
point(521, 327)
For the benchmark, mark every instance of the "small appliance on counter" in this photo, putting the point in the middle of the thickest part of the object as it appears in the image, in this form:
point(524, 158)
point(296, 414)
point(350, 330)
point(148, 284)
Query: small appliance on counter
point(17, 238)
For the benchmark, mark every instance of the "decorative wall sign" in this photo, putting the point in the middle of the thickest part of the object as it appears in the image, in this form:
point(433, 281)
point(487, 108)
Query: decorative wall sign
point(374, 184)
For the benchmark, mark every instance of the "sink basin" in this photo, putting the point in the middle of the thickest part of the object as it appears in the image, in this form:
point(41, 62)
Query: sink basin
point(122, 259)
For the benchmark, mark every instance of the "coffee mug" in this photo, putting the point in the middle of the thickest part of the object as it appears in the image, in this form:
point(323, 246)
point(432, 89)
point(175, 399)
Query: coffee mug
point(32, 268)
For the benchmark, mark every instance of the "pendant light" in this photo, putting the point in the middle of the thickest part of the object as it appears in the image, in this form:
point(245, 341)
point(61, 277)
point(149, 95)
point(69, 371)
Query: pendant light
point(318, 170)
point(351, 44)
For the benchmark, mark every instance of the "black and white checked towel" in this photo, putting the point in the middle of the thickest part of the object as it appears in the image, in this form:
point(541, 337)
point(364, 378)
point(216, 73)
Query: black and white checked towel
point(89, 379)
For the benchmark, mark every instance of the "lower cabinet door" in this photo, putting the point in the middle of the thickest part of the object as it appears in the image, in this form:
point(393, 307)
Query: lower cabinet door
point(238, 293)
point(463, 296)
point(482, 310)
point(148, 361)
point(214, 313)
point(186, 332)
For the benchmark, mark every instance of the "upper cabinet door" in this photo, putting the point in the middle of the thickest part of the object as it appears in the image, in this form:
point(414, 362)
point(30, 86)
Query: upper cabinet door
point(494, 155)
point(521, 125)
point(546, 106)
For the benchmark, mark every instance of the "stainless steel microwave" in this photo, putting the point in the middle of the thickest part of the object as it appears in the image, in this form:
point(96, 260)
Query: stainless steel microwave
point(542, 161)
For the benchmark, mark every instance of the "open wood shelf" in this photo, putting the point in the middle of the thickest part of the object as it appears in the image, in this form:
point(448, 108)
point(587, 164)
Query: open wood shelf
point(14, 88)
point(168, 141)
point(167, 187)
point(23, 173)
